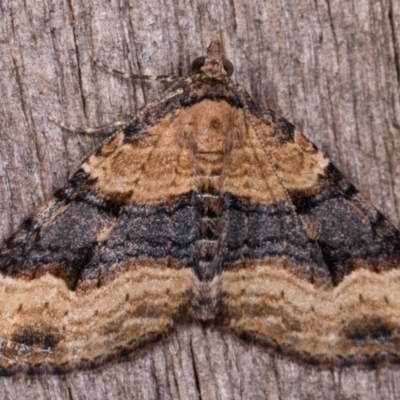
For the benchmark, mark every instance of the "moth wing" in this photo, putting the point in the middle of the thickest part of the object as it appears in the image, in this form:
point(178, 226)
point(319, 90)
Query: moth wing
point(318, 271)
point(89, 276)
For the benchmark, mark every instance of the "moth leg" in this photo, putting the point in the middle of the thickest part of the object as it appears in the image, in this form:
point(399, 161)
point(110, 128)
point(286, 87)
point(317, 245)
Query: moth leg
point(241, 94)
point(128, 75)
point(80, 129)
point(173, 91)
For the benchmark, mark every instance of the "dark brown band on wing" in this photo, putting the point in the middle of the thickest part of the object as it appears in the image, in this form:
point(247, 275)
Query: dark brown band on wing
point(83, 242)
point(348, 230)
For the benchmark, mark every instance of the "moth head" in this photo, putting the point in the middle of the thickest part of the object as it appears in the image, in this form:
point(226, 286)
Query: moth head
point(214, 63)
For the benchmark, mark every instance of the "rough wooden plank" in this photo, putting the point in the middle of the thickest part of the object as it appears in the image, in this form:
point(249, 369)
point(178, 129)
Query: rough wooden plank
point(331, 67)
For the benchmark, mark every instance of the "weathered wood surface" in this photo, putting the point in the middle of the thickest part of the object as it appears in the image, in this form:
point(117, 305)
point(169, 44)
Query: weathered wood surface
point(332, 67)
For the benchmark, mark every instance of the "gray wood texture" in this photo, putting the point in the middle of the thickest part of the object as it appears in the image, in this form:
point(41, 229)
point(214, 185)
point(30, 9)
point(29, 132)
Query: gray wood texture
point(331, 67)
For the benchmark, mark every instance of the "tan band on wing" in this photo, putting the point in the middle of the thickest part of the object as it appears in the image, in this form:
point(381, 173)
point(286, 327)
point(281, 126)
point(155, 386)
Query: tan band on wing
point(164, 162)
point(43, 321)
point(272, 305)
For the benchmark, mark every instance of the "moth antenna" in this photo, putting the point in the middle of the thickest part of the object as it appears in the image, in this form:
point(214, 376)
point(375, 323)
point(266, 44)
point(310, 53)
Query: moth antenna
point(128, 75)
point(89, 130)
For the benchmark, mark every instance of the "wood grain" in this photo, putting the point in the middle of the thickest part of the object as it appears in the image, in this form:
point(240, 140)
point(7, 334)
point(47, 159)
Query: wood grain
point(330, 67)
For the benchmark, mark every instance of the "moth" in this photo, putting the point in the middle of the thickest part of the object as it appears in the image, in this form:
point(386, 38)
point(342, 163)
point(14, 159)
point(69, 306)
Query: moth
point(204, 208)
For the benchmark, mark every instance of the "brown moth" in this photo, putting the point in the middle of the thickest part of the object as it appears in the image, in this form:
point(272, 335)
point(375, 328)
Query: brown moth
point(204, 208)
